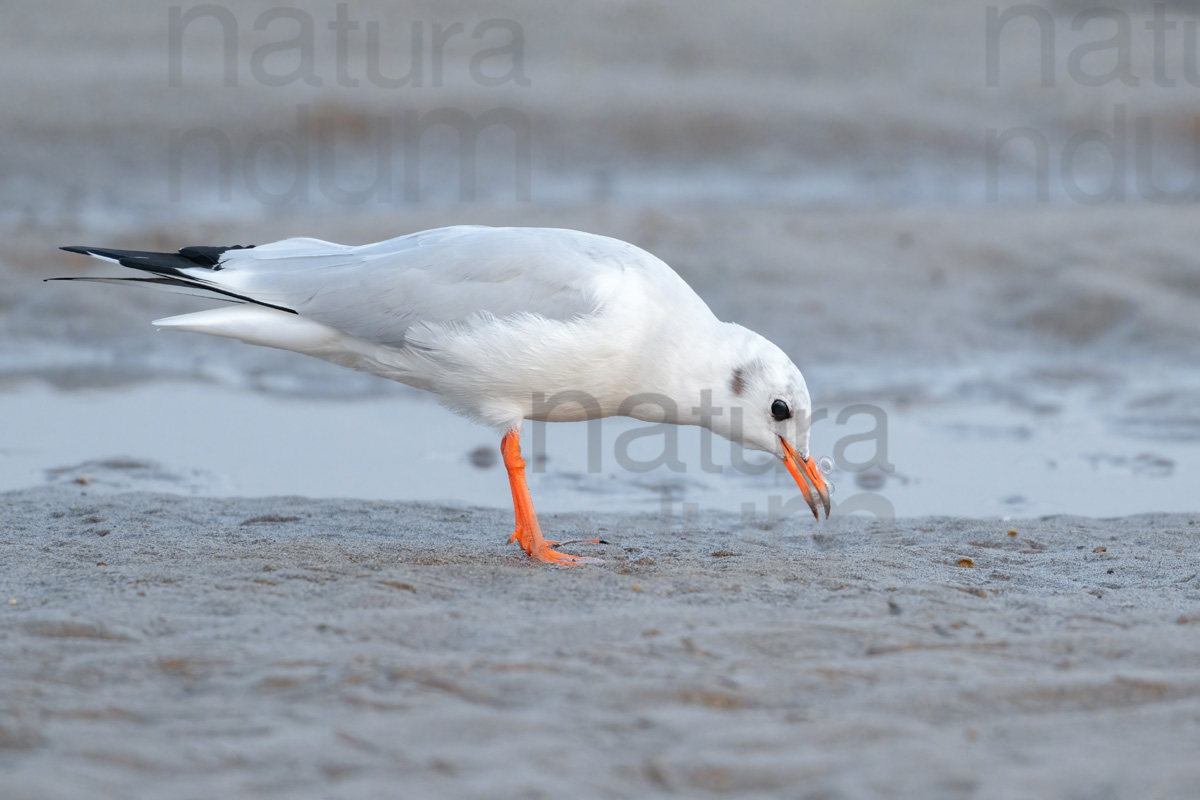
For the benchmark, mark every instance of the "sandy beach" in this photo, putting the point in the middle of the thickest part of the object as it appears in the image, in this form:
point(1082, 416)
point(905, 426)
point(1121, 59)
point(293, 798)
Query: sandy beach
point(235, 572)
point(156, 645)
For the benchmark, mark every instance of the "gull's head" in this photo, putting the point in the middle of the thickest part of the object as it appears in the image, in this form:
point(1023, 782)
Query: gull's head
point(768, 408)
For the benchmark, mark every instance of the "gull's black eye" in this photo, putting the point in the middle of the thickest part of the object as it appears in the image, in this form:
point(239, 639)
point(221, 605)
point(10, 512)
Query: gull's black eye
point(780, 410)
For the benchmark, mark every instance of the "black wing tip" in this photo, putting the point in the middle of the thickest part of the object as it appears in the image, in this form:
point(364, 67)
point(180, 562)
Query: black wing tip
point(206, 256)
point(104, 252)
point(209, 256)
point(169, 266)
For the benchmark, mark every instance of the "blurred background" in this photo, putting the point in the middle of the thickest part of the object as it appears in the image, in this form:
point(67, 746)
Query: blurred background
point(972, 225)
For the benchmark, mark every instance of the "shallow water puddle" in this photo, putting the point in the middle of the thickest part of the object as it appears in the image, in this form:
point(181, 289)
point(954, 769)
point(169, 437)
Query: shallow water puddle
point(967, 459)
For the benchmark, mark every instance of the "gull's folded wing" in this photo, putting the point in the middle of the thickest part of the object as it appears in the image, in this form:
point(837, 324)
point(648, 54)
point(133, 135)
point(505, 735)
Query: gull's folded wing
point(377, 292)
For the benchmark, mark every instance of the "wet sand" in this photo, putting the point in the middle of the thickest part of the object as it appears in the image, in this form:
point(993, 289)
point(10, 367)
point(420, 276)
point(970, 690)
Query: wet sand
point(158, 645)
point(817, 173)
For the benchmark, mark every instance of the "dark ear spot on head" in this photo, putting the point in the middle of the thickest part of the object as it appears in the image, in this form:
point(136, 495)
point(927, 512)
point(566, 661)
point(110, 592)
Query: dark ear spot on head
point(738, 384)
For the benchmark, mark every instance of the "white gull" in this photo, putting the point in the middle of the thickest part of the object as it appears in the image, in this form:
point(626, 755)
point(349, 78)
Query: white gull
point(504, 325)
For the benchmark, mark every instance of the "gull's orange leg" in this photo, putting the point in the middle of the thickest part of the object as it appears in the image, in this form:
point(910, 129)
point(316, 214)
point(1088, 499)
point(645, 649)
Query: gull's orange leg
point(528, 533)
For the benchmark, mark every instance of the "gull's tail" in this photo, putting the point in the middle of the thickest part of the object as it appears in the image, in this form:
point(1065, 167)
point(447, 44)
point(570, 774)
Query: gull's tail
point(185, 272)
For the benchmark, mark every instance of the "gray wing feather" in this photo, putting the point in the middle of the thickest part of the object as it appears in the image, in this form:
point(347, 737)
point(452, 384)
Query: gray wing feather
point(447, 276)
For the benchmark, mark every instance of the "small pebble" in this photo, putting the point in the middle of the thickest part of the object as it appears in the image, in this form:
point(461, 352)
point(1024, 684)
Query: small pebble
point(966, 562)
point(1100, 550)
point(1012, 531)
point(483, 457)
point(12, 601)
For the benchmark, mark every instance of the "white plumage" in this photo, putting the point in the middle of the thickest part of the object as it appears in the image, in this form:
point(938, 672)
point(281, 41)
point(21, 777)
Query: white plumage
point(504, 324)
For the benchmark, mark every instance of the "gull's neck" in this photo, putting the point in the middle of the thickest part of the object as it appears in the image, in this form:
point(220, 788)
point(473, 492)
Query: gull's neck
point(695, 367)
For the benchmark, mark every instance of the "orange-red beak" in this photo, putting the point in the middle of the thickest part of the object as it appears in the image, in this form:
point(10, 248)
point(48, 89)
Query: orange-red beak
point(807, 467)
